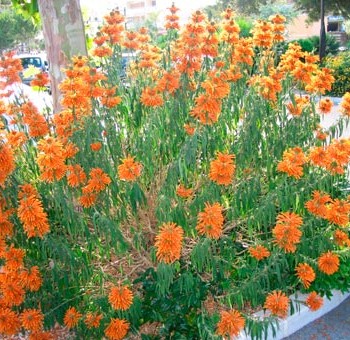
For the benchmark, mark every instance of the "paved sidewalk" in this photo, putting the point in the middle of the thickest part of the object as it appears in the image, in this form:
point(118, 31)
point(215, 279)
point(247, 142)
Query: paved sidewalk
point(334, 325)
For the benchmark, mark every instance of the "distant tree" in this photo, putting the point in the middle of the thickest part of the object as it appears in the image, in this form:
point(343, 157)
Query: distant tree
point(284, 8)
point(15, 29)
point(64, 34)
point(317, 10)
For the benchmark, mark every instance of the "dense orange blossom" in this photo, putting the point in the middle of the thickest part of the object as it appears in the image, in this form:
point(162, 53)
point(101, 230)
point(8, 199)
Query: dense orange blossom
point(318, 204)
point(231, 323)
point(211, 220)
point(314, 301)
point(129, 170)
point(71, 317)
point(277, 303)
point(32, 319)
point(305, 274)
point(120, 297)
point(183, 192)
point(259, 252)
point(117, 329)
point(328, 263)
point(286, 232)
point(222, 169)
point(169, 242)
point(292, 162)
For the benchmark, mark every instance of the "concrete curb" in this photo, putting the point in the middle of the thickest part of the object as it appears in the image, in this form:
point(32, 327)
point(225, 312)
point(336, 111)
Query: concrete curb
point(301, 317)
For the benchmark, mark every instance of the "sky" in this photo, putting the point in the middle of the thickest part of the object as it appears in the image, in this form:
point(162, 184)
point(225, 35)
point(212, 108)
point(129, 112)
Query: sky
point(103, 6)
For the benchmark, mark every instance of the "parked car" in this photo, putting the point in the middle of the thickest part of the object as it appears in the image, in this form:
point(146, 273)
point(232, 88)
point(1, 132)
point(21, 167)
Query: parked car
point(38, 61)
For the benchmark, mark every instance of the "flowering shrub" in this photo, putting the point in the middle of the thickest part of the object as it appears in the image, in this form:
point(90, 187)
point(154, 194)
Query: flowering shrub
point(340, 65)
point(177, 201)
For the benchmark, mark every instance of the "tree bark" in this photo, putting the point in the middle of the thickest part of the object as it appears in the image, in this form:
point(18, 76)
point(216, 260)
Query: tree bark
point(322, 33)
point(64, 36)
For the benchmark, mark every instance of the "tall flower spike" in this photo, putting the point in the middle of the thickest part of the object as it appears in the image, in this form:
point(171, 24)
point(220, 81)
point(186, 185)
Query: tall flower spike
point(169, 242)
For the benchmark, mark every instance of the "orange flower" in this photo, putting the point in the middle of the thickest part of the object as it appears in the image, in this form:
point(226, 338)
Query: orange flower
point(75, 175)
point(16, 138)
point(328, 263)
point(211, 220)
point(88, 198)
point(222, 169)
point(338, 212)
point(305, 274)
point(41, 336)
point(341, 238)
point(11, 289)
point(41, 80)
point(32, 319)
point(286, 231)
point(7, 162)
point(117, 329)
point(71, 318)
point(325, 105)
point(168, 242)
point(120, 297)
point(36, 122)
point(98, 180)
point(277, 302)
point(129, 170)
point(31, 279)
point(150, 97)
point(14, 259)
point(317, 205)
point(314, 301)
point(345, 104)
point(95, 146)
point(31, 213)
point(231, 323)
point(9, 322)
point(259, 252)
point(292, 162)
point(92, 320)
point(183, 192)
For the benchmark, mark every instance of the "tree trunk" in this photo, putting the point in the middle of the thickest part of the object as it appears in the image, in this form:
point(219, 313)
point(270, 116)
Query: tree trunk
point(322, 34)
point(64, 36)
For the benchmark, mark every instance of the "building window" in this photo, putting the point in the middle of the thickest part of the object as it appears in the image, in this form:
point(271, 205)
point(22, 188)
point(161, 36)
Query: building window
point(135, 5)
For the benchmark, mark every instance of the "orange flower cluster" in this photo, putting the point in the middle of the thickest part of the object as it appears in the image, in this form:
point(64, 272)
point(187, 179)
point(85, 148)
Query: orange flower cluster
point(278, 27)
point(129, 170)
point(32, 320)
point(333, 157)
point(325, 105)
point(109, 98)
point(190, 130)
point(31, 212)
point(318, 204)
point(51, 159)
point(36, 122)
point(286, 232)
point(7, 162)
point(259, 252)
point(75, 175)
point(98, 182)
point(305, 274)
point(172, 20)
point(222, 169)
point(41, 80)
point(208, 105)
point(230, 29)
point(211, 220)
point(169, 82)
point(117, 329)
point(277, 302)
point(321, 81)
point(151, 97)
point(296, 108)
point(183, 192)
point(338, 212)
point(9, 71)
point(15, 139)
point(341, 238)
point(263, 34)
point(169, 242)
point(328, 263)
point(120, 297)
point(231, 323)
point(268, 86)
point(292, 162)
point(314, 301)
point(345, 104)
point(71, 317)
